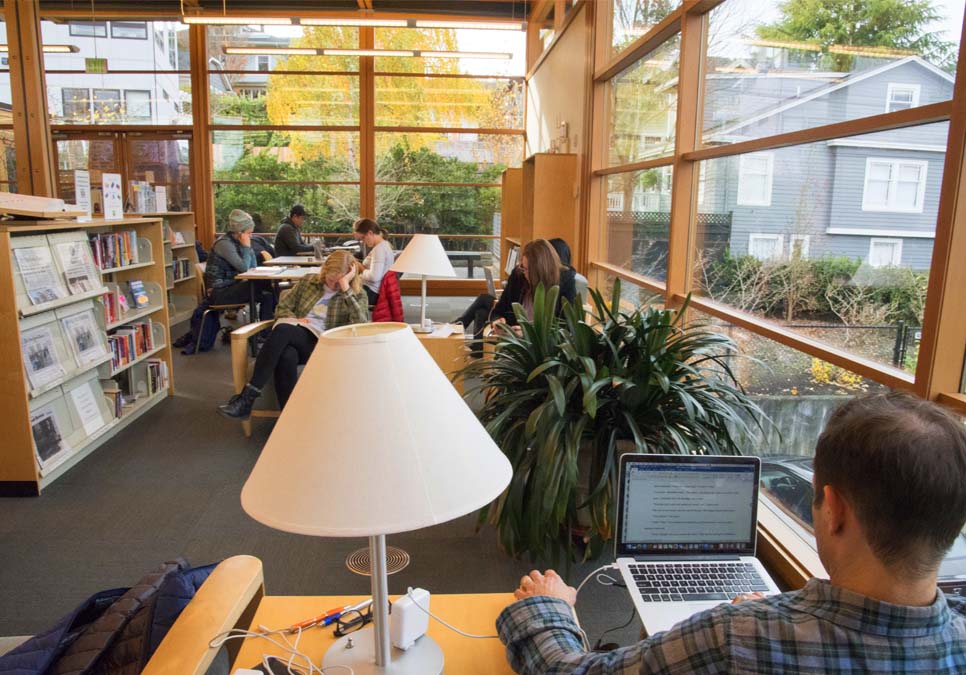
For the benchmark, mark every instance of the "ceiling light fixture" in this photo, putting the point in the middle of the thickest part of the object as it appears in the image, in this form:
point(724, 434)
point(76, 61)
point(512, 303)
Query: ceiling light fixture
point(477, 25)
point(304, 51)
point(368, 52)
point(237, 20)
point(465, 55)
point(49, 49)
point(273, 51)
point(368, 23)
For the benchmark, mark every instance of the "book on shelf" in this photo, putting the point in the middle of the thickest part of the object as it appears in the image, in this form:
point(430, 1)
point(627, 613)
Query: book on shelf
point(114, 249)
point(130, 342)
point(179, 238)
point(40, 356)
point(182, 268)
point(157, 376)
point(40, 278)
point(84, 336)
point(112, 393)
point(138, 293)
point(79, 271)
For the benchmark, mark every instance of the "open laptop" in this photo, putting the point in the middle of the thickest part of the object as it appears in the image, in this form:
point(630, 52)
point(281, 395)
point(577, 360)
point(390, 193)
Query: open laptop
point(686, 534)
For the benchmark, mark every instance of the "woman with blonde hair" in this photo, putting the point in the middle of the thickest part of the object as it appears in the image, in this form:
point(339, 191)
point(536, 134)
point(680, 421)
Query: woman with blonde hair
point(539, 266)
point(329, 299)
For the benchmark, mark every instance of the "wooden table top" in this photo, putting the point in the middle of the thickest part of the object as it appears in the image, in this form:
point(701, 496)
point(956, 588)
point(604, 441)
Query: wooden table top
point(471, 613)
point(277, 273)
point(298, 260)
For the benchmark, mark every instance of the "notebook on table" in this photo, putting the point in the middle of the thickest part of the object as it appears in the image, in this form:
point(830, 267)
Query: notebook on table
point(686, 534)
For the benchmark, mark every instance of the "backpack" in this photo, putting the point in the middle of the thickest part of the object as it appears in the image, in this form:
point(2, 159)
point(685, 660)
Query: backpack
point(209, 332)
point(112, 632)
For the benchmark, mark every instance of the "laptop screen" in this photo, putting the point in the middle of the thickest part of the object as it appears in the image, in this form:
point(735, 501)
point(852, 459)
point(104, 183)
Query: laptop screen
point(683, 505)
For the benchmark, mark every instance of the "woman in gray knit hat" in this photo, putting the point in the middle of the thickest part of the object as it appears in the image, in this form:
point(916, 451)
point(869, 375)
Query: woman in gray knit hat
point(231, 255)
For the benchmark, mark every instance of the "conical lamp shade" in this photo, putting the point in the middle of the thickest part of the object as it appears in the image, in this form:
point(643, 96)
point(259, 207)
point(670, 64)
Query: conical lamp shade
point(374, 440)
point(424, 254)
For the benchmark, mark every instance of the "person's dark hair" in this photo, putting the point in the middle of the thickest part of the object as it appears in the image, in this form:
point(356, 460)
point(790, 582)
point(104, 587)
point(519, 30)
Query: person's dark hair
point(900, 462)
point(543, 263)
point(562, 249)
point(365, 225)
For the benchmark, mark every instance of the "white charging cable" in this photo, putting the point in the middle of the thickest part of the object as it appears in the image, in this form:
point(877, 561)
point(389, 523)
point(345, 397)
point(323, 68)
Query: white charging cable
point(285, 646)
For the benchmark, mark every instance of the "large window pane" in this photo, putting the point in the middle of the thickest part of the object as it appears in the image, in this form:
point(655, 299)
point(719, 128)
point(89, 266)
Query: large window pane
point(638, 208)
point(769, 73)
point(166, 50)
point(822, 239)
point(512, 42)
point(275, 98)
point(8, 163)
point(163, 162)
point(285, 155)
point(271, 38)
point(96, 156)
point(642, 105)
point(80, 98)
point(449, 102)
point(445, 158)
point(633, 18)
point(332, 208)
point(446, 210)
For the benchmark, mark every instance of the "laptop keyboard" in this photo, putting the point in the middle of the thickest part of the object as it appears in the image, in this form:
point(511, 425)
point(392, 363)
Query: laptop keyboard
point(678, 582)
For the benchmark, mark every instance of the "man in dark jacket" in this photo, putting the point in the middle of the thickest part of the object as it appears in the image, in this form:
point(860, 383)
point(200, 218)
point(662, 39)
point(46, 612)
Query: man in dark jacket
point(288, 239)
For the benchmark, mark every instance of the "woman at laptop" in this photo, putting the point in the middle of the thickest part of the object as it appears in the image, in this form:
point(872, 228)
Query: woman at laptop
point(380, 257)
point(541, 262)
point(330, 299)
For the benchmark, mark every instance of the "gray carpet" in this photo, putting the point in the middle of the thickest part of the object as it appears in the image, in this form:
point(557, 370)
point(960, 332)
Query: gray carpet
point(169, 486)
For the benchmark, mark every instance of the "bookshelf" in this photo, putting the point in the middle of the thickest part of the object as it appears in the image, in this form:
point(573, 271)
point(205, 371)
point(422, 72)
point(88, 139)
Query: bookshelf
point(183, 289)
point(63, 329)
point(511, 214)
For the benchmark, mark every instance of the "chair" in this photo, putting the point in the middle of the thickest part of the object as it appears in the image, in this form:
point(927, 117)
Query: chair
point(241, 306)
point(241, 371)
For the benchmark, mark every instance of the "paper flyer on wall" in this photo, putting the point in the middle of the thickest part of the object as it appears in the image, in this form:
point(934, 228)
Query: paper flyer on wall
point(85, 337)
point(113, 198)
point(39, 356)
point(75, 260)
point(161, 198)
point(48, 441)
point(88, 409)
point(39, 275)
point(82, 190)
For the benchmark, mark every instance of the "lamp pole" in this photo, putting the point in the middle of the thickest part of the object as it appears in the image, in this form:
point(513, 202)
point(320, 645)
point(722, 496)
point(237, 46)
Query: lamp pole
point(380, 598)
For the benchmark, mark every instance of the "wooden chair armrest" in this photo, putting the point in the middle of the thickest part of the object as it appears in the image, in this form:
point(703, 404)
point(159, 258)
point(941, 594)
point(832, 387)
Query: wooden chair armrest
point(242, 334)
point(226, 600)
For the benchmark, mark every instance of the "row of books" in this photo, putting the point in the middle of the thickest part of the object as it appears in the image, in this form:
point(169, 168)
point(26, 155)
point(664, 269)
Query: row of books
point(182, 268)
point(122, 395)
point(130, 342)
point(117, 304)
point(115, 249)
point(157, 376)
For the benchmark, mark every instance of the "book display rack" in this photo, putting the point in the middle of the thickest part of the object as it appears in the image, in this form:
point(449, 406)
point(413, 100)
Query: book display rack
point(180, 263)
point(84, 340)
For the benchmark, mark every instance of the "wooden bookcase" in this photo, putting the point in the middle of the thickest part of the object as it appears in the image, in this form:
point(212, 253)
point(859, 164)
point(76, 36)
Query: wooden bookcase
point(20, 473)
point(547, 198)
point(183, 292)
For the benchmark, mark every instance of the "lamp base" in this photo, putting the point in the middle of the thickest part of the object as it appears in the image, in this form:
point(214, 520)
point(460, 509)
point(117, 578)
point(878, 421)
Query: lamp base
point(423, 658)
point(420, 329)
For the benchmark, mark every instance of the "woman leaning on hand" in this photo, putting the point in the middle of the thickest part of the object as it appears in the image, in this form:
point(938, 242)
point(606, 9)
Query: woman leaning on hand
point(330, 299)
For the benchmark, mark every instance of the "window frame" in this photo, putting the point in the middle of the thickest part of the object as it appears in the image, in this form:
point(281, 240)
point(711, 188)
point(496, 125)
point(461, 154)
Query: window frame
point(119, 99)
point(779, 239)
point(896, 164)
point(130, 25)
point(64, 103)
point(94, 25)
point(896, 255)
point(742, 198)
point(127, 108)
point(893, 87)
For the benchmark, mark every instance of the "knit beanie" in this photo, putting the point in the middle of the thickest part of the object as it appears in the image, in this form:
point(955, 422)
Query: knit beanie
point(239, 221)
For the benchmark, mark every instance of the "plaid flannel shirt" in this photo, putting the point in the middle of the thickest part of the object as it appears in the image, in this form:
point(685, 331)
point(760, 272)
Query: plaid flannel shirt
point(345, 308)
point(818, 629)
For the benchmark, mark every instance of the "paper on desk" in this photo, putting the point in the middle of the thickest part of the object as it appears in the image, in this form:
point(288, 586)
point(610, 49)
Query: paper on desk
point(442, 330)
point(267, 270)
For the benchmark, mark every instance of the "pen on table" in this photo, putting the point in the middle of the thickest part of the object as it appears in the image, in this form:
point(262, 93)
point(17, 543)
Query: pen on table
point(335, 611)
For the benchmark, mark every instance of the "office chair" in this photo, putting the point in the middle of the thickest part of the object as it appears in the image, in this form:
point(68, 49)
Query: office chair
point(238, 307)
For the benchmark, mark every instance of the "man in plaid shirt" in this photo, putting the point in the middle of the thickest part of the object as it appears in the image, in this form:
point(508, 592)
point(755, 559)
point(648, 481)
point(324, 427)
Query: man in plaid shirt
point(890, 499)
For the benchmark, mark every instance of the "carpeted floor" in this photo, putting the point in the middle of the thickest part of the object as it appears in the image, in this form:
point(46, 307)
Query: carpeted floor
point(169, 486)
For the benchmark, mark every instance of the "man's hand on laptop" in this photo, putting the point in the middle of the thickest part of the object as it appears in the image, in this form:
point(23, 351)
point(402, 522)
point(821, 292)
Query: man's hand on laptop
point(549, 583)
point(744, 597)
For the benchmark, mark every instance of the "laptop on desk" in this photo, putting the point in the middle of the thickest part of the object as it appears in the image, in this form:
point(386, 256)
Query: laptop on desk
point(686, 534)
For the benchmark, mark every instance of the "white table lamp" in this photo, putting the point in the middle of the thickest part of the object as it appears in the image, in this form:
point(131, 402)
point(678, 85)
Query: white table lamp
point(374, 440)
point(424, 255)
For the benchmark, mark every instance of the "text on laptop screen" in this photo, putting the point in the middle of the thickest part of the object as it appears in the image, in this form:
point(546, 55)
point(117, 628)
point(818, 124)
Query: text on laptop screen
point(688, 508)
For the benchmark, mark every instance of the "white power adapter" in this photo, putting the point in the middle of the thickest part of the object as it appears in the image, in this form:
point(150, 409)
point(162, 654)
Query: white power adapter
point(408, 623)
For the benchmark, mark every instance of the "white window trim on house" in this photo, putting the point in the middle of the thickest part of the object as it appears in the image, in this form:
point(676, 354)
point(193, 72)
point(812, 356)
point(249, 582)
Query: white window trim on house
point(744, 174)
point(896, 251)
point(915, 89)
point(890, 205)
point(805, 239)
point(758, 236)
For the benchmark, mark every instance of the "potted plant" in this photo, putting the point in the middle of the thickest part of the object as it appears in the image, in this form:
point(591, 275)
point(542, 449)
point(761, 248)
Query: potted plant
point(563, 398)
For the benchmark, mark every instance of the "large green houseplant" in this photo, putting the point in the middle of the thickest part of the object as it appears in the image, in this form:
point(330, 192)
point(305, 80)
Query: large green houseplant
point(566, 388)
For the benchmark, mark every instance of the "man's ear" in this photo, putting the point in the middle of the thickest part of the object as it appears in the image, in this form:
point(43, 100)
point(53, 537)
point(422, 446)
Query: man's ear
point(835, 509)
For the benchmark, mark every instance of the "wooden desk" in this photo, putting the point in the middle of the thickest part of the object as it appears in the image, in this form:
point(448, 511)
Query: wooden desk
point(474, 613)
point(450, 353)
point(275, 275)
point(297, 260)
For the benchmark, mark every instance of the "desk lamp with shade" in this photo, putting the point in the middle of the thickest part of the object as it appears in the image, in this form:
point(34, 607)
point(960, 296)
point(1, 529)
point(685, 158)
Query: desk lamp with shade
point(424, 255)
point(401, 453)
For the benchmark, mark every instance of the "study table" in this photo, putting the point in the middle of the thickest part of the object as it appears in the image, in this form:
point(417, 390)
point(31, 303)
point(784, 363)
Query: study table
point(233, 597)
point(275, 275)
point(296, 260)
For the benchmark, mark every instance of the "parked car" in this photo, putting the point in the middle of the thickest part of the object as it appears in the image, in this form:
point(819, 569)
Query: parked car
point(789, 481)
